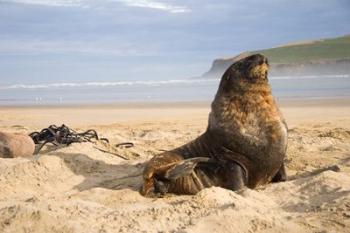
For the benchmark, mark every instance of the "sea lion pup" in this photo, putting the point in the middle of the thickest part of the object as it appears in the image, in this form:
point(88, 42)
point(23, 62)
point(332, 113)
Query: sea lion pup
point(244, 144)
point(15, 145)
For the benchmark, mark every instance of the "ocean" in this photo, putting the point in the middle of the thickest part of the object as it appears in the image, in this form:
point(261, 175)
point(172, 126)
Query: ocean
point(179, 90)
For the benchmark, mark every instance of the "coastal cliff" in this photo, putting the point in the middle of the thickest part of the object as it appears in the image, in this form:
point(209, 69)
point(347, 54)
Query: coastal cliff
point(321, 57)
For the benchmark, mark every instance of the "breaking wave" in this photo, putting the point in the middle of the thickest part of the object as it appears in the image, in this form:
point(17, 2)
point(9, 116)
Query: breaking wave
point(148, 82)
point(108, 84)
point(310, 76)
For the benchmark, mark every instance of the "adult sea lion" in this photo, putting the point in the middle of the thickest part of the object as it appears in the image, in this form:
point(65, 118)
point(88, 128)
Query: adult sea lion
point(244, 144)
point(15, 145)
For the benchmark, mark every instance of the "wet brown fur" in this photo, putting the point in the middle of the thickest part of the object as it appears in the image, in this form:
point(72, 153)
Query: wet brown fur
point(245, 127)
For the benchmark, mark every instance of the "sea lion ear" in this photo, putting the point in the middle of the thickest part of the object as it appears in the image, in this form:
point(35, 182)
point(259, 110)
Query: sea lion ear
point(230, 73)
point(226, 80)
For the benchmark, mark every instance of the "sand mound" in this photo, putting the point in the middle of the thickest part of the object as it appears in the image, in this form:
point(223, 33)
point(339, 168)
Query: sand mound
point(81, 189)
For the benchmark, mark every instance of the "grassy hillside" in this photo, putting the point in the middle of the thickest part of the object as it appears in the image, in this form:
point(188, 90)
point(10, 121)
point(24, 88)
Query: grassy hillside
point(328, 49)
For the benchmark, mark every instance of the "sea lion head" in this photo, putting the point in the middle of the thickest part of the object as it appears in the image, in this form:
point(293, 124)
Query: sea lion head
point(245, 73)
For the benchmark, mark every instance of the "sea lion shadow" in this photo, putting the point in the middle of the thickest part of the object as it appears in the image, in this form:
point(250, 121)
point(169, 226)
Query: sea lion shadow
point(98, 173)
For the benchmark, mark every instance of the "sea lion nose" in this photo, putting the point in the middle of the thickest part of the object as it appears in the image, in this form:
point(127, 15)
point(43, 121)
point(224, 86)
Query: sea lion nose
point(265, 60)
point(261, 59)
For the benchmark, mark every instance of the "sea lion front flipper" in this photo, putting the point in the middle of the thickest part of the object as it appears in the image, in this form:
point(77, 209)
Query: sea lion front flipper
point(281, 175)
point(236, 177)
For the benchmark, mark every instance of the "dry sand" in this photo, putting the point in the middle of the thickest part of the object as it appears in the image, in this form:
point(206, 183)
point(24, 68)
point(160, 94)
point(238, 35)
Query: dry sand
point(80, 189)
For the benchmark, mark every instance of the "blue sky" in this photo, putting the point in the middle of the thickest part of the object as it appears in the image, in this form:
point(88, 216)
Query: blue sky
point(106, 40)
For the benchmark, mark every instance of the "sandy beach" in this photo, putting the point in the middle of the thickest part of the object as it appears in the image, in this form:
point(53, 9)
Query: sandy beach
point(81, 189)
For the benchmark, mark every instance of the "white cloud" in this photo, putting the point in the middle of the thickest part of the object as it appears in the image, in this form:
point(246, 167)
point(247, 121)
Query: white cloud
point(171, 8)
point(92, 47)
point(156, 5)
point(73, 3)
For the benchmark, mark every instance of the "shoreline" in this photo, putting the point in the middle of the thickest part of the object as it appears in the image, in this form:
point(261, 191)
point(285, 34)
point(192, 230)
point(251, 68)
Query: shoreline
point(303, 111)
point(332, 101)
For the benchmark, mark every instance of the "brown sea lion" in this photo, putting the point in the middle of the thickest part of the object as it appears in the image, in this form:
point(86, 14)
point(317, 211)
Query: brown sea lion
point(15, 145)
point(244, 144)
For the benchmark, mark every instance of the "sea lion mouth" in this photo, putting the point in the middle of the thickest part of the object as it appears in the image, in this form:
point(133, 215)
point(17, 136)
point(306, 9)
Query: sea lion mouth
point(260, 71)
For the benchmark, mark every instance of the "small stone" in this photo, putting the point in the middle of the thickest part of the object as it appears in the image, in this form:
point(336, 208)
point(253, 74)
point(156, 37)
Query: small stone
point(346, 214)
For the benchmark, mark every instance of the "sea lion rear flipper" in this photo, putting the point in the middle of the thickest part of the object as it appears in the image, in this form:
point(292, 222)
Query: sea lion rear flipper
point(184, 168)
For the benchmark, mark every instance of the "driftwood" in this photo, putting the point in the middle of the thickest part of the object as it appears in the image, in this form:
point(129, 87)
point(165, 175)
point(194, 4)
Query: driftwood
point(16, 145)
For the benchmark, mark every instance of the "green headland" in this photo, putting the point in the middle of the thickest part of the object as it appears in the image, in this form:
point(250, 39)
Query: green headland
point(327, 49)
point(316, 57)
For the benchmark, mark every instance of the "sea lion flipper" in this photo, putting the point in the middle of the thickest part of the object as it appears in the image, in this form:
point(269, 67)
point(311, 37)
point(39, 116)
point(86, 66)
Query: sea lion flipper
point(236, 176)
point(184, 168)
point(155, 169)
point(281, 175)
